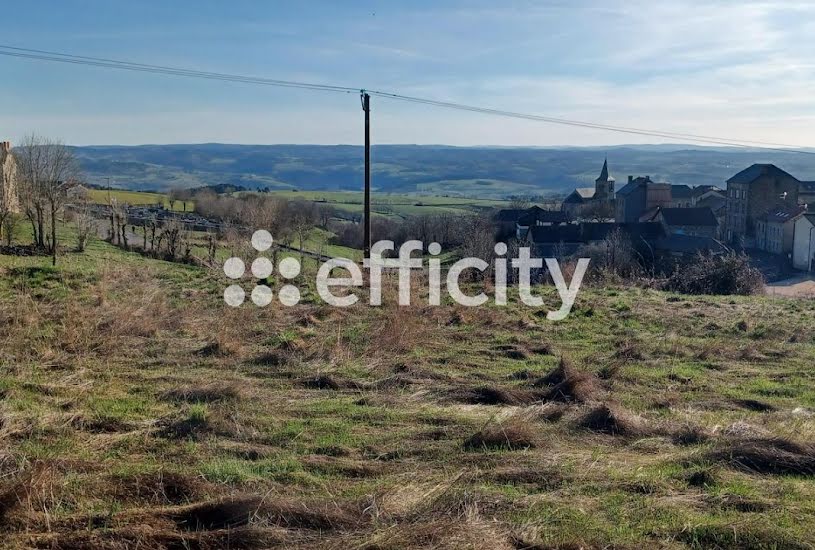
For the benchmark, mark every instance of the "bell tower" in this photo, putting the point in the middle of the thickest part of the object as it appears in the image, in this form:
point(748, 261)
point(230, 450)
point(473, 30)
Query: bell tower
point(604, 185)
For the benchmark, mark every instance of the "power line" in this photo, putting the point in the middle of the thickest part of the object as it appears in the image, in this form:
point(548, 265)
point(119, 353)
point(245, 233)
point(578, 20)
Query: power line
point(596, 126)
point(43, 55)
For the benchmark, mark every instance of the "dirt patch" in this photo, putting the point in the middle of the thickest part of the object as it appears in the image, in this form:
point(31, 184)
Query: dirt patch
point(210, 393)
point(493, 395)
point(767, 456)
point(187, 428)
point(219, 349)
point(101, 425)
point(345, 467)
point(328, 382)
point(239, 511)
point(690, 435)
point(512, 435)
point(157, 488)
point(271, 359)
point(611, 419)
point(754, 405)
point(514, 352)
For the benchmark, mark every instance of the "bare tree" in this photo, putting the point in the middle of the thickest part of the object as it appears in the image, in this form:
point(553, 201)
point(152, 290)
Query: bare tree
point(9, 227)
point(520, 203)
point(85, 225)
point(179, 194)
point(173, 237)
point(45, 167)
point(599, 211)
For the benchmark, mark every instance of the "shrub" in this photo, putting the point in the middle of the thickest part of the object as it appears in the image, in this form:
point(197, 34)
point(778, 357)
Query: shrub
point(729, 274)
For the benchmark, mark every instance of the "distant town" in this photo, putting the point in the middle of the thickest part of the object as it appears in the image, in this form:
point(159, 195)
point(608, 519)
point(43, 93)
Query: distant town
point(761, 209)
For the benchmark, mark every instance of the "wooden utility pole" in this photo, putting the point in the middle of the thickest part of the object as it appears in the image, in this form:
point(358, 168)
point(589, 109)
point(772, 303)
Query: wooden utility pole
point(366, 221)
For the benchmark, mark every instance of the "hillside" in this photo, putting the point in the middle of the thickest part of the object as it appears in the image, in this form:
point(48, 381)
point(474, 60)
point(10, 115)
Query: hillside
point(487, 172)
point(138, 411)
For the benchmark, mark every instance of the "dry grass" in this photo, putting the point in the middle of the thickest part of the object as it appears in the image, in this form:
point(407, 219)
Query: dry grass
point(511, 434)
point(136, 411)
point(567, 384)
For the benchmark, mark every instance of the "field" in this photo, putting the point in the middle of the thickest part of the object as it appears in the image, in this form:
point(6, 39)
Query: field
point(138, 411)
point(388, 204)
point(136, 198)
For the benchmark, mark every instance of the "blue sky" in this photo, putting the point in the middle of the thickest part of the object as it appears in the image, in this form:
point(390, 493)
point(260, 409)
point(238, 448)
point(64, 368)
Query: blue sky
point(733, 69)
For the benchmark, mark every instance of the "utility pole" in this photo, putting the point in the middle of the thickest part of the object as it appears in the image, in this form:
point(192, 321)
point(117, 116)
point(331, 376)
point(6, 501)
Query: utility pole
point(366, 221)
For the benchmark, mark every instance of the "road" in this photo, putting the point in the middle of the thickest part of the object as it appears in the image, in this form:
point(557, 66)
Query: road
point(801, 286)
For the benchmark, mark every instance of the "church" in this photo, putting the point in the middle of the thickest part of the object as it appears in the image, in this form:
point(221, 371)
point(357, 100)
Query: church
point(596, 202)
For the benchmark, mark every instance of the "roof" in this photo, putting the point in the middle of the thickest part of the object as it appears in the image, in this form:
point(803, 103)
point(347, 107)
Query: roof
point(580, 194)
point(536, 214)
point(700, 190)
point(714, 202)
point(587, 232)
point(650, 214)
point(628, 188)
point(555, 234)
point(783, 215)
point(681, 192)
point(509, 214)
point(808, 186)
point(756, 171)
point(688, 244)
point(604, 173)
point(689, 216)
point(636, 230)
point(634, 184)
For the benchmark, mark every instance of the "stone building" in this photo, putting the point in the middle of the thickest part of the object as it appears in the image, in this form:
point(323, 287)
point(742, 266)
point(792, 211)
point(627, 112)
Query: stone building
point(803, 247)
point(639, 197)
point(8, 179)
point(775, 229)
point(597, 200)
point(753, 191)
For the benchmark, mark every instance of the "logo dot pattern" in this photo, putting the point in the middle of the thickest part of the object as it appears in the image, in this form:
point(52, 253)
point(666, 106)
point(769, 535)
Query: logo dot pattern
point(261, 268)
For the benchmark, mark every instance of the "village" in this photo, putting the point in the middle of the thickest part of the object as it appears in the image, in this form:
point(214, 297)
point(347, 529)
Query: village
point(761, 210)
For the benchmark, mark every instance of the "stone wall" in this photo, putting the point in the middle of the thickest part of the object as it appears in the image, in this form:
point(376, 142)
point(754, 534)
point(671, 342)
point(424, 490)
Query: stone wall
point(8, 178)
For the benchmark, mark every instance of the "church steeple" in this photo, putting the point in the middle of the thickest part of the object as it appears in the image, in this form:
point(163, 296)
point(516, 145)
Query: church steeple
point(604, 171)
point(604, 185)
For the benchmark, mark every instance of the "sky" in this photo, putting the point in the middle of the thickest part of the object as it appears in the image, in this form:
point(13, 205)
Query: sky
point(742, 69)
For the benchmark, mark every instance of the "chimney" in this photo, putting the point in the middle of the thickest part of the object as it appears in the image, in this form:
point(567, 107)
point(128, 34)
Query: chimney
point(630, 179)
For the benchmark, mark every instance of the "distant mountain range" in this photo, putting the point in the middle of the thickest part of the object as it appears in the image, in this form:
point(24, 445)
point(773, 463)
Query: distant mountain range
point(489, 172)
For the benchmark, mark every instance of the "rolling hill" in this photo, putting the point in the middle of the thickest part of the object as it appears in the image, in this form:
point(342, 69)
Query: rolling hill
point(489, 172)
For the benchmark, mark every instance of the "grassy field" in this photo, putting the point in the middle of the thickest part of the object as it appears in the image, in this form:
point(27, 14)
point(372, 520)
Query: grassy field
point(138, 411)
point(137, 198)
point(388, 204)
point(383, 204)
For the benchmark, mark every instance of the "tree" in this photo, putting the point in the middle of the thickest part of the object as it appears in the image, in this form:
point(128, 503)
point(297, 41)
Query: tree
point(85, 225)
point(179, 194)
point(599, 211)
point(45, 167)
point(9, 227)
